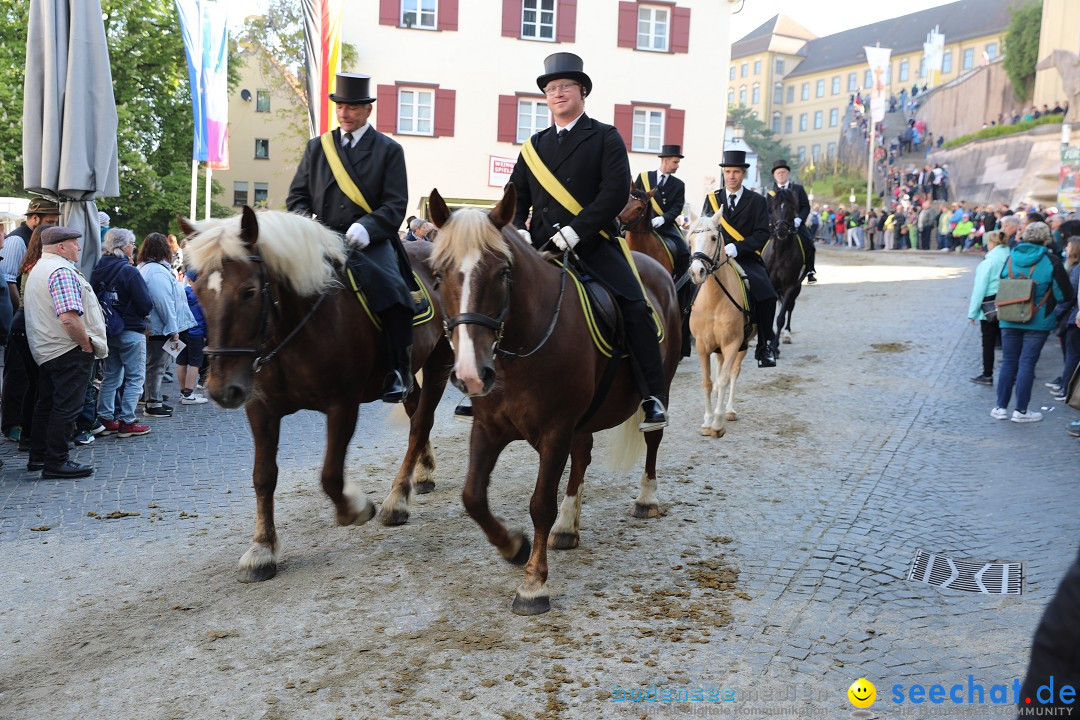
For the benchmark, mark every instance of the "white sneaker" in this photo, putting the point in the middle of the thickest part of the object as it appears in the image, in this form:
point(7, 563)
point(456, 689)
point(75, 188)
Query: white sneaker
point(193, 399)
point(1023, 417)
point(999, 413)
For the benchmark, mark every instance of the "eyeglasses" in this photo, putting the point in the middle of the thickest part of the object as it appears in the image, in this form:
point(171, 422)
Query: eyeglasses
point(560, 88)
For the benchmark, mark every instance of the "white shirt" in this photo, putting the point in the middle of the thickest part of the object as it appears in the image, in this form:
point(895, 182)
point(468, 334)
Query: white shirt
point(356, 135)
point(737, 195)
point(569, 127)
point(660, 177)
point(783, 187)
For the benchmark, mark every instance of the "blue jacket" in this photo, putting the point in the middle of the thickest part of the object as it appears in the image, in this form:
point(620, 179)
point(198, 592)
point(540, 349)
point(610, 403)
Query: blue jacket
point(1032, 261)
point(132, 296)
point(170, 313)
point(199, 329)
point(987, 276)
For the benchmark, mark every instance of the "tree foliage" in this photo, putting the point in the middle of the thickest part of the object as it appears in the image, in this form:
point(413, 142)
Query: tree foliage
point(1022, 47)
point(760, 138)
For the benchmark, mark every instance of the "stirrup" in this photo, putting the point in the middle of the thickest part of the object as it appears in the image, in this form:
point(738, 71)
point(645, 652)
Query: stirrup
point(464, 411)
point(655, 421)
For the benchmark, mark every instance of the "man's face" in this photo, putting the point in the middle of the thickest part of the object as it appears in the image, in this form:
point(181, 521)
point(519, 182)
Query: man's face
point(733, 177)
point(669, 165)
point(352, 117)
point(422, 231)
point(32, 221)
point(565, 98)
point(69, 250)
point(781, 175)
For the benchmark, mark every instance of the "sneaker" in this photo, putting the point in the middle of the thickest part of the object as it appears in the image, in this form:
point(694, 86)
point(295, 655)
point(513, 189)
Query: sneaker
point(14, 434)
point(1026, 417)
point(1061, 398)
point(85, 437)
point(158, 412)
point(983, 379)
point(127, 429)
point(109, 427)
point(1073, 428)
point(193, 399)
point(1056, 382)
point(1055, 389)
point(999, 413)
point(98, 427)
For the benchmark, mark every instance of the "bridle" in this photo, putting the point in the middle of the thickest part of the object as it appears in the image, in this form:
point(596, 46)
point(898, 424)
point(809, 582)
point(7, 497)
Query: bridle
point(712, 264)
point(638, 214)
point(262, 356)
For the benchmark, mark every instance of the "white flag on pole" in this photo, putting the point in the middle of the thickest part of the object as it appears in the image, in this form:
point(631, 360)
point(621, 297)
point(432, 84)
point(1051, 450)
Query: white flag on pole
point(878, 59)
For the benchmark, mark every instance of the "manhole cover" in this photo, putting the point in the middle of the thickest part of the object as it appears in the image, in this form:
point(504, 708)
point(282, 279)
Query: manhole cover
point(987, 578)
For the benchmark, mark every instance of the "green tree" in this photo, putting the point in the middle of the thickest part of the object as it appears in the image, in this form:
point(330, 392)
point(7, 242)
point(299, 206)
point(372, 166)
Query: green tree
point(1022, 47)
point(13, 20)
point(761, 139)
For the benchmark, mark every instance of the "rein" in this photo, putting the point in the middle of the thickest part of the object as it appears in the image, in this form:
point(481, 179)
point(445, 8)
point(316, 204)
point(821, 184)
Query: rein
point(712, 264)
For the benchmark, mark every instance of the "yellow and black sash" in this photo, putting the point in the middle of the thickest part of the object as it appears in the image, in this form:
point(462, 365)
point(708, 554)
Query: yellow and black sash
point(645, 184)
point(341, 175)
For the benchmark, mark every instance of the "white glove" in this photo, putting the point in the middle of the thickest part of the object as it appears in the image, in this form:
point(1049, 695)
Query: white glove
point(566, 237)
point(798, 221)
point(657, 222)
point(731, 250)
point(357, 235)
point(525, 235)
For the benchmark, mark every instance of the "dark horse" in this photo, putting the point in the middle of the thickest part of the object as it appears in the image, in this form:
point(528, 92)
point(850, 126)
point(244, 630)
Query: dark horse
point(286, 335)
point(636, 219)
point(522, 349)
point(784, 258)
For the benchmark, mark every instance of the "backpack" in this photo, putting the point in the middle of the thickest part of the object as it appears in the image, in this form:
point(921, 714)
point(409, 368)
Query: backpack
point(107, 298)
point(1016, 297)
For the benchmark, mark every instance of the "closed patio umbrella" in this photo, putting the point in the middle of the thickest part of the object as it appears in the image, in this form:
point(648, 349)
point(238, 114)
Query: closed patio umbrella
point(69, 115)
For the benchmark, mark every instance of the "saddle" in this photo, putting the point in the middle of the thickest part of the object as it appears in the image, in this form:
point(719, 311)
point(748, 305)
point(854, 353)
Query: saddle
point(423, 309)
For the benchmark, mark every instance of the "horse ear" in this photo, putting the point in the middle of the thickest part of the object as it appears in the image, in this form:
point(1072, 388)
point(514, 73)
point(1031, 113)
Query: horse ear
point(503, 213)
point(185, 225)
point(249, 227)
point(650, 193)
point(440, 213)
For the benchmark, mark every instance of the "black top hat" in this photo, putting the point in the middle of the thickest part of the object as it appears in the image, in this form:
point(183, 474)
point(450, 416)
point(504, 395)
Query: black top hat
point(781, 164)
point(670, 151)
point(564, 65)
point(734, 158)
point(352, 89)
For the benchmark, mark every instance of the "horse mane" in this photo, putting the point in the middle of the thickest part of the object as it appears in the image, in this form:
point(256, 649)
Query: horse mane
point(296, 249)
point(468, 234)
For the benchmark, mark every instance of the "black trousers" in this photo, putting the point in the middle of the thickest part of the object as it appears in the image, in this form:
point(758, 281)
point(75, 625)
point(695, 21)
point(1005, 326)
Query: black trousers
point(991, 336)
point(397, 331)
point(809, 250)
point(15, 382)
point(764, 316)
point(61, 394)
point(18, 353)
point(644, 349)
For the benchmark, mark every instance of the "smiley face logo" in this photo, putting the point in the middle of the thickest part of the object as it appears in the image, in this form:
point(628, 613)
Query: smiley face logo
point(862, 693)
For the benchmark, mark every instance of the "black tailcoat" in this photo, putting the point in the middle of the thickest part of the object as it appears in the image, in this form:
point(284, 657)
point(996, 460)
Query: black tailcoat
point(671, 198)
point(751, 219)
point(802, 202)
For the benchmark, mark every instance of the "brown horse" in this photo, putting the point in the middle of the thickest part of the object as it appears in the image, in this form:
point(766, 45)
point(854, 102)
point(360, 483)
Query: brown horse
point(718, 322)
point(523, 351)
point(285, 335)
point(636, 219)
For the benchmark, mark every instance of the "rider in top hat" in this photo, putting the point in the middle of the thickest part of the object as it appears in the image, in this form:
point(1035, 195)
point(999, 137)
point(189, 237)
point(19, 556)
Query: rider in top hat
point(782, 175)
point(589, 158)
point(670, 196)
point(748, 215)
point(373, 165)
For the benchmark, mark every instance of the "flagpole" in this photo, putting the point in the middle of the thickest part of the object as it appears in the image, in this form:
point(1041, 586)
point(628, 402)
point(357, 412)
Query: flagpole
point(206, 215)
point(870, 165)
point(194, 186)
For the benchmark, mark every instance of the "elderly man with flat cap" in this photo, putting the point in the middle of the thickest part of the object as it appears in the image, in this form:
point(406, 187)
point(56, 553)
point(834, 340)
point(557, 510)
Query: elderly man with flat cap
point(782, 176)
point(66, 332)
point(352, 180)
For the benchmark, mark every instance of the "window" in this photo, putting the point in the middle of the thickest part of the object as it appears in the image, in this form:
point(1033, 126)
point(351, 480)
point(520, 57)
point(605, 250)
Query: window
point(757, 67)
point(834, 117)
point(415, 112)
point(776, 122)
point(904, 70)
point(836, 85)
point(731, 73)
point(418, 14)
point(532, 117)
point(805, 95)
point(779, 66)
point(922, 66)
point(648, 130)
point(991, 50)
point(262, 101)
point(731, 97)
point(969, 59)
point(262, 192)
point(815, 152)
point(743, 69)
point(239, 194)
point(852, 82)
point(830, 150)
point(819, 89)
point(800, 155)
point(778, 93)
point(791, 94)
point(538, 19)
point(787, 124)
point(868, 80)
point(802, 122)
point(742, 95)
point(262, 149)
point(817, 119)
point(946, 62)
point(652, 28)
point(755, 94)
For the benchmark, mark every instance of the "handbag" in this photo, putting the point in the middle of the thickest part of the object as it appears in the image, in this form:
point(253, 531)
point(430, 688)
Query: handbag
point(989, 308)
point(1016, 298)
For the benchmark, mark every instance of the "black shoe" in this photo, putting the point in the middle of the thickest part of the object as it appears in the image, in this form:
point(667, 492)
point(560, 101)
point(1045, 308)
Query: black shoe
point(766, 358)
point(24, 444)
point(35, 466)
point(68, 470)
point(655, 415)
point(983, 379)
point(396, 389)
point(463, 411)
point(811, 278)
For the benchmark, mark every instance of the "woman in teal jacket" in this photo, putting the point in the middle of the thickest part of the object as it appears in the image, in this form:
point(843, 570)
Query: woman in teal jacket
point(987, 276)
point(1022, 343)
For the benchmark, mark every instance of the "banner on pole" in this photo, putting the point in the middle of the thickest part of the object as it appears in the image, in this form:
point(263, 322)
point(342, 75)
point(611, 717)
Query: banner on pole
point(322, 60)
point(204, 27)
point(878, 59)
point(934, 54)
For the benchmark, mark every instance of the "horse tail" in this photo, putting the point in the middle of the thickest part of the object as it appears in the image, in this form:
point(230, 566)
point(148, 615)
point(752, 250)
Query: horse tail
point(627, 444)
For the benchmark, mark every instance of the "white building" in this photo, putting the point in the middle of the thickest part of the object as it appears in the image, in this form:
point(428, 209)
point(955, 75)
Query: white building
point(456, 82)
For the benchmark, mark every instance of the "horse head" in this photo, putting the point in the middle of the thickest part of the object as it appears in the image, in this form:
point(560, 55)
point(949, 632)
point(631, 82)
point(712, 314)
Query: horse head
point(704, 246)
point(782, 211)
point(474, 260)
point(636, 210)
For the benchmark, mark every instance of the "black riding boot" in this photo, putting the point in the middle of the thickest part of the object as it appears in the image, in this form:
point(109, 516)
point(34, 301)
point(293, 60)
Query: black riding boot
point(765, 315)
point(809, 252)
point(684, 295)
point(649, 366)
point(397, 332)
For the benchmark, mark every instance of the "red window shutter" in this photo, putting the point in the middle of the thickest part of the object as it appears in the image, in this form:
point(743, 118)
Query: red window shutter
point(566, 21)
point(445, 101)
point(624, 120)
point(673, 126)
point(448, 12)
point(511, 26)
point(386, 113)
point(628, 24)
point(508, 118)
point(390, 12)
point(680, 30)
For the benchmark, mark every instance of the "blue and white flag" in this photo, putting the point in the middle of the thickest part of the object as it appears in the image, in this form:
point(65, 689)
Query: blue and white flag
point(204, 26)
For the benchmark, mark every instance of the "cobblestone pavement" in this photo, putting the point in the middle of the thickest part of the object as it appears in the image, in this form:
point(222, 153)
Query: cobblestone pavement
point(866, 444)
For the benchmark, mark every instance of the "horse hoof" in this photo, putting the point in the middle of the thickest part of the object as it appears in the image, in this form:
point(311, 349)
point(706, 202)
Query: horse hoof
point(394, 517)
point(256, 574)
point(706, 431)
point(786, 340)
point(523, 552)
point(717, 433)
point(563, 541)
point(645, 511)
point(531, 606)
point(730, 417)
point(363, 515)
point(424, 487)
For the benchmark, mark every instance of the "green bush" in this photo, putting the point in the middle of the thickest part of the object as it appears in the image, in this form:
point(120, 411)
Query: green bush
point(999, 130)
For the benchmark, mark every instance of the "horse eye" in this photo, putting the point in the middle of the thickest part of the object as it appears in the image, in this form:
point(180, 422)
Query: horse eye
point(248, 294)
